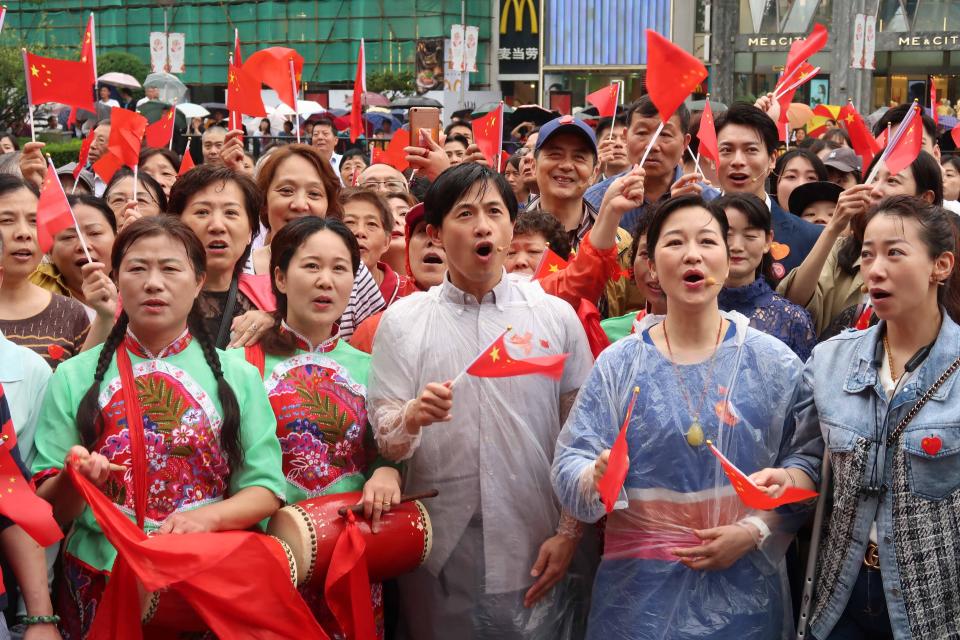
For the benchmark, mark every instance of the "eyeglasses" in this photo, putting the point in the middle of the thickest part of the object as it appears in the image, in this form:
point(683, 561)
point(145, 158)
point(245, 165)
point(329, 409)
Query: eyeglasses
point(386, 185)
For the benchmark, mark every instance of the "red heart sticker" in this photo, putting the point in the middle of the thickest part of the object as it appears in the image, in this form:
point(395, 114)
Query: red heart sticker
point(56, 352)
point(931, 445)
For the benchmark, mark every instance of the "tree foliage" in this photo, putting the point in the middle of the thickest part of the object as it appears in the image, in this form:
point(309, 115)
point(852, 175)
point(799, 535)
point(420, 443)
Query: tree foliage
point(392, 85)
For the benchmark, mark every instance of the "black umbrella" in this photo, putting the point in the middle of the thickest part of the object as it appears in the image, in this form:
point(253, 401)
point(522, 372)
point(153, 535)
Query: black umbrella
point(415, 101)
point(532, 113)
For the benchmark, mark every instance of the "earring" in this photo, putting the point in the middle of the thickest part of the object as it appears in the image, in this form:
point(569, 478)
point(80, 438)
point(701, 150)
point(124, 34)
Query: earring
point(864, 288)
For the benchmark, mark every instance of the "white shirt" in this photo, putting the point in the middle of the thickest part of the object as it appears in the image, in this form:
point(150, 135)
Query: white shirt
point(110, 103)
point(493, 458)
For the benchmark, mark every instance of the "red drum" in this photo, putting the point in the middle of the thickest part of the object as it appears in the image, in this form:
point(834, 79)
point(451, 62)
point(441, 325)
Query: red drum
point(311, 529)
point(168, 611)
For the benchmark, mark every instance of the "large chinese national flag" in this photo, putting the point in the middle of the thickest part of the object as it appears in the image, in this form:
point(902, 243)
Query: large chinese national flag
point(64, 81)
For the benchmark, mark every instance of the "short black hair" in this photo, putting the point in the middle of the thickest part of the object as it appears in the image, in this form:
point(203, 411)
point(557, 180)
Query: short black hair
point(837, 135)
point(897, 114)
point(97, 203)
point(459, 139)
point(325, 121)
point(548, 226)
point(747, 115)
point(666, 208)
point(450, 186)
point(645, 108)
point(356, 152)
point(607, 123)
point(818, 167)
point(640, 229)
point(456, 123)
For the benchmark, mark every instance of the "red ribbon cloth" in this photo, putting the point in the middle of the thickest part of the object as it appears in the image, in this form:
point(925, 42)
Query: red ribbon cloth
point(230, 578)
point(347, 588)
point(618, 463)
point(138, 448)
point(750, 494)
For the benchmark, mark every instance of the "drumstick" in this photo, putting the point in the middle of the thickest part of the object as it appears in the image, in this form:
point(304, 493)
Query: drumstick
point(358, 508)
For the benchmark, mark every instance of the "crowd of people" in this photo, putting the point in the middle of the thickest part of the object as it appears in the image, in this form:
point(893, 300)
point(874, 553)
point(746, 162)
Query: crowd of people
point(297, 322)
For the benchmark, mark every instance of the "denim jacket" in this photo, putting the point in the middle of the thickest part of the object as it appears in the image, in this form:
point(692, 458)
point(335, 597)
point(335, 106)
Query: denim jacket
point(841, 402)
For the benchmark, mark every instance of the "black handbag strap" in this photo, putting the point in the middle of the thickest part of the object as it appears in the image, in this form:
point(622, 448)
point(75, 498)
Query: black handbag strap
point(895, 435)
point(223, 334)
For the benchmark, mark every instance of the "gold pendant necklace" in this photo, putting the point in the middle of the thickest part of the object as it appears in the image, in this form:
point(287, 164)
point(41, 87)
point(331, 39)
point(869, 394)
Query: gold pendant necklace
point(695, 435)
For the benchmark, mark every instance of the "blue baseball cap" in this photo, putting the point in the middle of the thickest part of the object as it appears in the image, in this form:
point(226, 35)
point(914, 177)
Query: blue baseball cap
point(567, 124)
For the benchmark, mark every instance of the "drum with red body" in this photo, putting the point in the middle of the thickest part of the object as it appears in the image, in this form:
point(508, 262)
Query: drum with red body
point(167, 611)
point(311, 529)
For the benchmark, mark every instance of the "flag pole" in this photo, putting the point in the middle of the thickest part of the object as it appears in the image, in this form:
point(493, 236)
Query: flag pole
point(483, 351)
point(500, 145)
point(696, 161)
point(796, 84)
point(786, 135)
point(653, 141)
point(174, 126)
point(227, 101)
point(892, 141)
point(296, 105)
point(83, 243)
point(135, 179)
point(613, 118)
point(26, 75)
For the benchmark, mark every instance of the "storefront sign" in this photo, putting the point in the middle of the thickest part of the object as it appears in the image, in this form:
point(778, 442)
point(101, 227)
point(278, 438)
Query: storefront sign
point(519, 51)
point(946, 41)
point(772, 42)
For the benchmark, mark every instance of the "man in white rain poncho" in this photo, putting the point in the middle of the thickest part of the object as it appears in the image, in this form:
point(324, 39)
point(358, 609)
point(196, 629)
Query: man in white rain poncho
point(683, 557)
point(501, 548)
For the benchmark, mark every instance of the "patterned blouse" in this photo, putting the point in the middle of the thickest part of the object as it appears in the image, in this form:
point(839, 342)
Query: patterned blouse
point(56, 333)
point(772, 314)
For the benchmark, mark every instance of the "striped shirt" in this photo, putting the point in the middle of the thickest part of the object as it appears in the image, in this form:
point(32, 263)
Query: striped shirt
point(365, 300)
point(56, 333)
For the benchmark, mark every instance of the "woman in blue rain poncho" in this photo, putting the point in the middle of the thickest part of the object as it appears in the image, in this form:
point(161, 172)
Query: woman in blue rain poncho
point(683, 557)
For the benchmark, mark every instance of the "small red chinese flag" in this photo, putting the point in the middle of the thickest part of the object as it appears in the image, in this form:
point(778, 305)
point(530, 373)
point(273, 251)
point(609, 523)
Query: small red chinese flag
point(359, 88)
point(160, 132)
point(18, 501)
point(186, 163)
point(955, 134)
point(707, 135)
point(237, 57)
point(127, 129)
point(882, 138)
point(53, 210)
point(906, 146)
point(750, 494)
point(800, 52)
point(107, 165)
point(347, 587)
point(84, 153)
point(211, 571)
point(496, 362)
point(618, 463)
point(488, 135)
point(605, 100)
point(550, 262)
point(590, 319)
point(64, 81)
point(862, 140)
point(672, 74)
point(271, 66)
point(88, 50)
point(243, 93)
point(933, 102)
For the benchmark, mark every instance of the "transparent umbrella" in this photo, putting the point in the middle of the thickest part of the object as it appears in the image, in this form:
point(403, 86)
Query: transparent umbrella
point(171, 89)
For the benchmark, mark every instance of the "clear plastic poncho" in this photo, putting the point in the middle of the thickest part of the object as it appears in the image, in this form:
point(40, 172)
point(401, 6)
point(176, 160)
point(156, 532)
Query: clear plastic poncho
point(642, 591)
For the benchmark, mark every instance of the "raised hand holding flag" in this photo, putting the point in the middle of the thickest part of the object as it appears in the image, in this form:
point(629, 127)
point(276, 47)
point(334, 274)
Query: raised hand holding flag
point(496, 361)
point(750, 494)
point(54, 213)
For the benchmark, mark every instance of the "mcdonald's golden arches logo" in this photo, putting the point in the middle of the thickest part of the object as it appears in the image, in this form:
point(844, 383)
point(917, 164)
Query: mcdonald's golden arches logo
point(519, 8)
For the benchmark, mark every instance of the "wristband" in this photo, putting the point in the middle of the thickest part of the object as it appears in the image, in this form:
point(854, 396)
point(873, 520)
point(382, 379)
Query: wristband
point(761, 527)
point(32, 620)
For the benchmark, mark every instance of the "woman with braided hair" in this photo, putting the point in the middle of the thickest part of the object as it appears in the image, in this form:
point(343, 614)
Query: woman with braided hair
point(205, 457)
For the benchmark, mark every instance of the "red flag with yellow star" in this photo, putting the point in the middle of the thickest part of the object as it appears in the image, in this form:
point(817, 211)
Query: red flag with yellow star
point(18, 502)
point(160, 132)
point(186, 163)
point(672, 74)
point(53, 211)
point(906, 143)
point(750, 494)
point(800, 52)
point(605, 100)
point(64, 81)
point(488, 135)
point(862, 140)
point(550, 262)
point(243, 93)
point(497, 362)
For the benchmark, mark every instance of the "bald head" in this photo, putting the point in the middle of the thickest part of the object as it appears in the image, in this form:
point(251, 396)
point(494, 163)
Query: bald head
point(382, 177)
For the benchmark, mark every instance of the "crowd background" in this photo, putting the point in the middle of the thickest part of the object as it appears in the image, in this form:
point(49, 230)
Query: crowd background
point(293, 315)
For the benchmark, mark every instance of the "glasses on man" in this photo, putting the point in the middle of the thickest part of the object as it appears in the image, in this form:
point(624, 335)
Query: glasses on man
point(384, 185)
